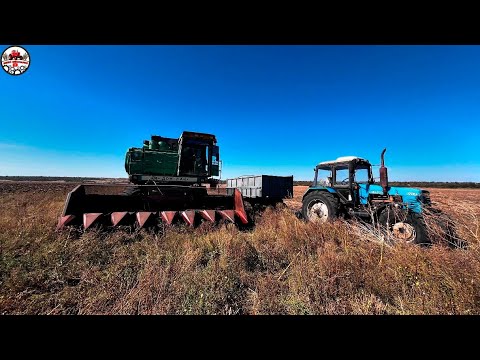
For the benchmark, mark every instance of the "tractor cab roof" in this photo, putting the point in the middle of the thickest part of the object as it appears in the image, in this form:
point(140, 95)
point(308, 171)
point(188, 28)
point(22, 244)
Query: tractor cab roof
point(343, 162)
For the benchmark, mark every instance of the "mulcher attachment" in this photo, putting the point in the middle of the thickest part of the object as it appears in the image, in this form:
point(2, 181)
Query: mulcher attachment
point(89, 205)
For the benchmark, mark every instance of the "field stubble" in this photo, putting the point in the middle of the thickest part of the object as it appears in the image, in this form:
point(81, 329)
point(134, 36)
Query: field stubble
point(283, 266)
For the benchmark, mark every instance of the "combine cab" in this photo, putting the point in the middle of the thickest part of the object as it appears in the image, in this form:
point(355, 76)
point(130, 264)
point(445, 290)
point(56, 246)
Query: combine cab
point(167, 176)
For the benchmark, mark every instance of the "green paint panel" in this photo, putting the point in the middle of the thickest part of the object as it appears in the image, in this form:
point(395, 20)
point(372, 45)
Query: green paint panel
point(151, 162)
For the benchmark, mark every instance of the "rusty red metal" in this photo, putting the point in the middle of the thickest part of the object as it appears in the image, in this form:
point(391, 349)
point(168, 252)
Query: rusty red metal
point(227, 215)
point(208, 215)
point(143, 216)
point(239, 208)
point(90, 218)
point(107, 205)
point(117, 217)
point(64, 221)
point(383, 173)
point(242, 216)
point(189, 216)
point(168, 216)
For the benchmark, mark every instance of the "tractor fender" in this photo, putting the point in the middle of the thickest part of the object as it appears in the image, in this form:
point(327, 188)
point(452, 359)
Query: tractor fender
point(319, 188)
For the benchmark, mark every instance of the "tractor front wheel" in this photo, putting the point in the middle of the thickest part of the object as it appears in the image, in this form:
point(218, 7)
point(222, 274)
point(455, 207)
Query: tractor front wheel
point(320, 207)
point(404, 226)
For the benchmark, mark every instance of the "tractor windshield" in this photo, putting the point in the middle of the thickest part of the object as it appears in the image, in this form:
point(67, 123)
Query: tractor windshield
point(324, 177)
point(341, 175)
point(363, 175)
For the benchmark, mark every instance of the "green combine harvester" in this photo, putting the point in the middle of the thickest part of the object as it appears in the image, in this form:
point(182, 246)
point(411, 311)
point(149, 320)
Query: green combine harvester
point(191, 159)
point(169, 179)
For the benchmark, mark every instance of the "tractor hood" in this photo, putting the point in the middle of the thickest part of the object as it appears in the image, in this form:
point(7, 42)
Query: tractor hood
point(413, 197)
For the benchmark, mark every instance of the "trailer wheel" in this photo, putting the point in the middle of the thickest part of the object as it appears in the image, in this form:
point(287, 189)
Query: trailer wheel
point(405, 226)
point(320, 207)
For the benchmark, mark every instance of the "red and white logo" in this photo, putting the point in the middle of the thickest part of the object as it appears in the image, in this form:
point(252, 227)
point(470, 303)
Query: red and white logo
point(15, 60)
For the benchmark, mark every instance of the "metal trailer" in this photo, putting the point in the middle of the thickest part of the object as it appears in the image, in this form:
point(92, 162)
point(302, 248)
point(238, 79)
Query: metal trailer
point(266, 189)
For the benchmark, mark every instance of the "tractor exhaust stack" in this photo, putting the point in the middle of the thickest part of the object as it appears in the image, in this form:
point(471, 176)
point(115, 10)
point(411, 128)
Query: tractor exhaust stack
point(383, 173)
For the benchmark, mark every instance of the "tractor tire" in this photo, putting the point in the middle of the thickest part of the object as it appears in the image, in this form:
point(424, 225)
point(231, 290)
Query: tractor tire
point(320, 206)
point(408, 227)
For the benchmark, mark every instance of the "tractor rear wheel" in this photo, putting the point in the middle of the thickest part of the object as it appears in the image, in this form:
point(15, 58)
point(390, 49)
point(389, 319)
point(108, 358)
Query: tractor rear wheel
point(404, 226)
point(320, 206)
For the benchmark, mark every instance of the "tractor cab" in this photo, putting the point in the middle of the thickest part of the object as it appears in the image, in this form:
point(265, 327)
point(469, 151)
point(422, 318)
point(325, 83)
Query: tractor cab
point(345, 187)
point(344, 176)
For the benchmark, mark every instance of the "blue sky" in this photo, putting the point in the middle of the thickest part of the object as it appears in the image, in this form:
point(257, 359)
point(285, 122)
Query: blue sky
point(274, 109)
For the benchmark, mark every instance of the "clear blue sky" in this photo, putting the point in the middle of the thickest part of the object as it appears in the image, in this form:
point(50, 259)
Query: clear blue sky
point(274, 109)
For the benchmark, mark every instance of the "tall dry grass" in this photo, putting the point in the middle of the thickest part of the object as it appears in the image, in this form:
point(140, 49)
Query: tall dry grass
point(283, 266)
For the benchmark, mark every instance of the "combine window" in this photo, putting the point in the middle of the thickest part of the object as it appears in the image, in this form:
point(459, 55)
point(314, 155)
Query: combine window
point(207, 158)
point(215, 155)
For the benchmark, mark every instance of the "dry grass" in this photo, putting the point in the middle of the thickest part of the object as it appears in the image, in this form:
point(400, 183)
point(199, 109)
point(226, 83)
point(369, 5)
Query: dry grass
point(283, 266)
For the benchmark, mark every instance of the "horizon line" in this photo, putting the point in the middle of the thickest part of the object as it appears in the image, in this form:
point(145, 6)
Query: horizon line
point(126, 178)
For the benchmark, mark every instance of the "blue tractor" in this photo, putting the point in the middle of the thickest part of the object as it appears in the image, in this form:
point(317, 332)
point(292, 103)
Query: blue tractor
point(346, 187)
